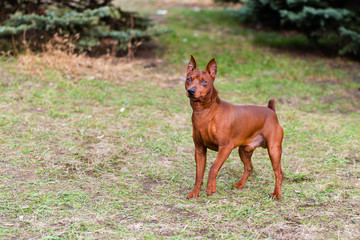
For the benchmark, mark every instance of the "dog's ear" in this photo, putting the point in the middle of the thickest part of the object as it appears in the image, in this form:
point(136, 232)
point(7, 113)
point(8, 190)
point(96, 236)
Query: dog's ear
point(192, 65)
point(212, 68)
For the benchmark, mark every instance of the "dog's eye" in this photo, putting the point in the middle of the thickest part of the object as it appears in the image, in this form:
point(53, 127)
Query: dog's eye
point(203, 82)
point(189, 79)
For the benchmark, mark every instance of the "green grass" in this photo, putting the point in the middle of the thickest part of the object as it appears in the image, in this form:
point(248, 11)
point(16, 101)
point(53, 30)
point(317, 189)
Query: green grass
point(75, 165)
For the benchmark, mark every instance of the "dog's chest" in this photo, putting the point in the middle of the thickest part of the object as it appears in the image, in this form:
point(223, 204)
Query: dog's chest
point(205, 133)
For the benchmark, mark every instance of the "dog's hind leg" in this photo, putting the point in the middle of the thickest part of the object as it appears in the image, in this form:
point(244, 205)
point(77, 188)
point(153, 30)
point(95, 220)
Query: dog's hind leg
point(275, 150)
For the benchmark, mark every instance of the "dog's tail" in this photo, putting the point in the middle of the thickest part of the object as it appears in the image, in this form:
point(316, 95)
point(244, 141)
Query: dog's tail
point(271, 104)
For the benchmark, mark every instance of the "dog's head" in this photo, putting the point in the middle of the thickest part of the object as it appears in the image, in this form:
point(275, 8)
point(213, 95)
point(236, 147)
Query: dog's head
point(199, 84)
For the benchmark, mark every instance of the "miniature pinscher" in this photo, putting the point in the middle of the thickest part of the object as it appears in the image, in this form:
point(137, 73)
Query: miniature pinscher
point(221, 127)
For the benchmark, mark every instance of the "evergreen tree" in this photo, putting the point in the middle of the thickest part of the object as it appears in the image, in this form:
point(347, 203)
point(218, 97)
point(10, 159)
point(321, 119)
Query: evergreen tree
point(334, 20)
point(88, 24)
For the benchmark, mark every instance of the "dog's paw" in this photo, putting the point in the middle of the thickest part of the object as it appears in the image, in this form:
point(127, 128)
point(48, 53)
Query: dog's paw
point(239, 185)
point(211, 188)
point(274, 196)
point(193, 194)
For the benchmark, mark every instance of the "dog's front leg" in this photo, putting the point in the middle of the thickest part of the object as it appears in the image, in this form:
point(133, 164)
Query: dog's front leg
point(223, 154)
point(200, 159)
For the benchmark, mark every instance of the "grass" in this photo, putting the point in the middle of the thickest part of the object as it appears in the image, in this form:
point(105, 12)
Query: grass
point(111, 156)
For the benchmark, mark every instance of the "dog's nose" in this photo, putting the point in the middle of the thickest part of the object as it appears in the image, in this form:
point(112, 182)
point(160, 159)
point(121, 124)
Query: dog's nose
point(191, 91)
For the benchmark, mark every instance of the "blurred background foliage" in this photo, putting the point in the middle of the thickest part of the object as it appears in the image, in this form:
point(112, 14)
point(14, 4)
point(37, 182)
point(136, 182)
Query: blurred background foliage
point(76, 25)
point(329, 24)
point(97, 26)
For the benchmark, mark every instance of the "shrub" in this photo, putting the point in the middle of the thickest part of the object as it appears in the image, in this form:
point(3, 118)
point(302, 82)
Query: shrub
point(337, 21)
point(87, 25)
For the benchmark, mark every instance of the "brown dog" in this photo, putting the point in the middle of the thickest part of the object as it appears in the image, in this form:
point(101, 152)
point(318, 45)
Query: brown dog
point(221, 126)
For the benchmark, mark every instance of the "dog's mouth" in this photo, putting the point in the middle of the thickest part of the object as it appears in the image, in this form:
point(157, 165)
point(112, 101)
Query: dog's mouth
point(193, 98)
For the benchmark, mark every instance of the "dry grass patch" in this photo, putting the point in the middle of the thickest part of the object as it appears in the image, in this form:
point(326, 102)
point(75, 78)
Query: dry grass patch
point(75, 67)
point(78, 66)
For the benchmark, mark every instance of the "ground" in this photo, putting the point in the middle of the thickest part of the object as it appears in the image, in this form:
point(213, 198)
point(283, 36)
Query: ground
point(102, 148)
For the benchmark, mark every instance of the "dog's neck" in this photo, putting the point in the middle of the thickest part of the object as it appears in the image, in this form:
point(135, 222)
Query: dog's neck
point(202, 107)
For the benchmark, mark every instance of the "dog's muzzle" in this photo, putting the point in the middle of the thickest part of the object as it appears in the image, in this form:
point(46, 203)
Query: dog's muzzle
point(191, 91)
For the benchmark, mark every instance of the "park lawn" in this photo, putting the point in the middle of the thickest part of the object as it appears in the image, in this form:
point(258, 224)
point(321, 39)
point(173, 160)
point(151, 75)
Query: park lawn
point(99, 157)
